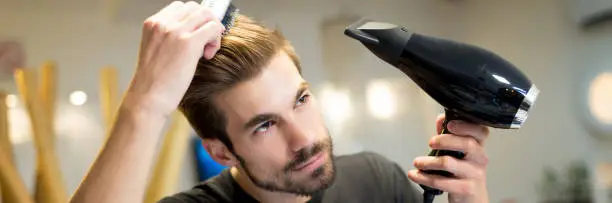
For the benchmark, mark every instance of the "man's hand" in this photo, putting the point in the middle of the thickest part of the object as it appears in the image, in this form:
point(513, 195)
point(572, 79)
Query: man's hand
point(469, 185)
point(173, 41)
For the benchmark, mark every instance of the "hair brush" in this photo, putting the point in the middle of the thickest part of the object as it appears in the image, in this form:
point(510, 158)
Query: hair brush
point(223, 10)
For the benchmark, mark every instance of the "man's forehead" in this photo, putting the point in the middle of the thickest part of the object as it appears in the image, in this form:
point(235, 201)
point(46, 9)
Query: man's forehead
point(274, 88)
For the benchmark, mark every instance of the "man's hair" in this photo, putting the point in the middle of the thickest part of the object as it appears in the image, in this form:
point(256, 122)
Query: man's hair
point(245, 50)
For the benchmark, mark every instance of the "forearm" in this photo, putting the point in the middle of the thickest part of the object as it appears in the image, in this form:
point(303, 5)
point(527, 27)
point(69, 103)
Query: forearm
point(120, 172)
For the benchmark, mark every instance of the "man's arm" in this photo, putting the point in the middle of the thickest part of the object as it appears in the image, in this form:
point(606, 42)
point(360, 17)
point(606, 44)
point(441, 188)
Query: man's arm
point(121, 170)
point(173, 41)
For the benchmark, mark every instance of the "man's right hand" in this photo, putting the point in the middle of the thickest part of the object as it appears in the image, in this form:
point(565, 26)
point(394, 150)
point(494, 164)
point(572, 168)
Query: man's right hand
point(173, 41)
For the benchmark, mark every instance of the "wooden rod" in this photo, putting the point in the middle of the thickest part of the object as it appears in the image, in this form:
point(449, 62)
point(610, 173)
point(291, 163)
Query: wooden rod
point(12, 187)
point(166, 173)
point(48, 89)
point(5, 141)
point(109, 95)
point(50, 185)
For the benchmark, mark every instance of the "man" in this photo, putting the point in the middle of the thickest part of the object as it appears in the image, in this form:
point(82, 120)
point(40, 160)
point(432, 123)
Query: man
point(245, 96)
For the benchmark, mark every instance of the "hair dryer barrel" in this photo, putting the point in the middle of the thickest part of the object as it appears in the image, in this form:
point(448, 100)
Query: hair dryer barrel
point(475, 84)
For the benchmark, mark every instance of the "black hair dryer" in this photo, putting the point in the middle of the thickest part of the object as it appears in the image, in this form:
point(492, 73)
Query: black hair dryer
point(471, 83)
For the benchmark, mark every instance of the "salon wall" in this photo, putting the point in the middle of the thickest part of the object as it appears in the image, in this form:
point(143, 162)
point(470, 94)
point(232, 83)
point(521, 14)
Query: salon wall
point(535, 35)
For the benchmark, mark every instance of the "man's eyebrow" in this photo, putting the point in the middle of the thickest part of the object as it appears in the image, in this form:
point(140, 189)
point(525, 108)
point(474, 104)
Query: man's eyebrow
point(259, 119)
point(269, 116)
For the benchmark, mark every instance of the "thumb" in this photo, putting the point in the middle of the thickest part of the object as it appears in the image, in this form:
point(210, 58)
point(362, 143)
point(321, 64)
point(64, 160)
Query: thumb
point(211, 49)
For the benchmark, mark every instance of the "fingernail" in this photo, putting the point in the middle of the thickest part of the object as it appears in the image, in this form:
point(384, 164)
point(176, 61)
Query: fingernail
point(415, 161)
point(453, 124)
point(412, 173)
point(419, 160)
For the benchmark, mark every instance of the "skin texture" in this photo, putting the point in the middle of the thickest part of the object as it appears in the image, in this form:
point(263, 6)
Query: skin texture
point(262, 159)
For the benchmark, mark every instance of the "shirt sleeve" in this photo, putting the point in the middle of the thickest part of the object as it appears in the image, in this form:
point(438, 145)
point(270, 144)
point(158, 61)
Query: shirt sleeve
point(394, 180)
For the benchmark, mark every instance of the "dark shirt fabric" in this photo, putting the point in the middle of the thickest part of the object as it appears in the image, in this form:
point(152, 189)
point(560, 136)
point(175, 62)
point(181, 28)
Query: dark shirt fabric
point(362, 177)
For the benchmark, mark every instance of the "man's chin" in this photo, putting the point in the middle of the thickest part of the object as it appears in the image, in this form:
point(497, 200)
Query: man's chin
point(321, 178)
point(306, 184)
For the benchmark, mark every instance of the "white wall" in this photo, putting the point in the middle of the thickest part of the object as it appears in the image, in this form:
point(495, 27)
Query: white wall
point(593, 58)
point(535, 35)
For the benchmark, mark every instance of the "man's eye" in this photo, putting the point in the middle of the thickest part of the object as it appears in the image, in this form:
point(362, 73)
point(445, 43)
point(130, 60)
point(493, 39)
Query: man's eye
point(302, 100)
point(264, 127)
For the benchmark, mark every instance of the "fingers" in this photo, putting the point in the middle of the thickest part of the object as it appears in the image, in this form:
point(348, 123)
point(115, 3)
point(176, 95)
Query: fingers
point(462, 128)
point(474, 152)
point(450, 185)
point(461, 169)
point(170, 8)
point(197, 18)
point(439, 123)
point(211, 48)
point(209, 34)
point(186, 10)
point(168, 15)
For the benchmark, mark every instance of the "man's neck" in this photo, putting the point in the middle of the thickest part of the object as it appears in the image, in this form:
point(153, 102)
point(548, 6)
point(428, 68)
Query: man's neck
point(262, 195)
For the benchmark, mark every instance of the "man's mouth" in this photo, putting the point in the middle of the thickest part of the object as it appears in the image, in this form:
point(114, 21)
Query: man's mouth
point(313, 163)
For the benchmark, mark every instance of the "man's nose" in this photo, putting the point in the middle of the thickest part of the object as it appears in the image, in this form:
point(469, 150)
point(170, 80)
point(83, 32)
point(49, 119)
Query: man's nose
point(299, 136)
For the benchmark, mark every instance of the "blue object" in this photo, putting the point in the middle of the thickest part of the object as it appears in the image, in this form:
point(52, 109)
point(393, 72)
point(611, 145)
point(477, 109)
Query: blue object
point(207, 167)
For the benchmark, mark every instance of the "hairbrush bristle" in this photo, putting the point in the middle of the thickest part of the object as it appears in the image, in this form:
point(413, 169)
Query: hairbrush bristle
point(230, 18)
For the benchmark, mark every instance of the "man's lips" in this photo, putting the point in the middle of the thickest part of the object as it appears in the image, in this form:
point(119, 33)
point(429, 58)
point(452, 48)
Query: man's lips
point(313, 160)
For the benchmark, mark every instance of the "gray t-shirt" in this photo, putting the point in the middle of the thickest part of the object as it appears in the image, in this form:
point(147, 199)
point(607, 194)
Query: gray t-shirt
point(363, 177)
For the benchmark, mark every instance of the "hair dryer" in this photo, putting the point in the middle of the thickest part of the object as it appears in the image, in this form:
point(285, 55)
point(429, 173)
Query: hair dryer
point(471, 83)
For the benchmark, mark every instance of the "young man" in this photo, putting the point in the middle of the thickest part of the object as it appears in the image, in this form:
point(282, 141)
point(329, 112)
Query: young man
point(247, 99)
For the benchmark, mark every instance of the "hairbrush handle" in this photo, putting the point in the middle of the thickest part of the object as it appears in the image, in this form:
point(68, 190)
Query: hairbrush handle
point(218, 7)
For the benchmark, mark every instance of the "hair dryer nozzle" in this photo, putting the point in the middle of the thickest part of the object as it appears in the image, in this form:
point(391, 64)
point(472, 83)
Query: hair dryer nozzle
point(386, 40)
point(354, 32)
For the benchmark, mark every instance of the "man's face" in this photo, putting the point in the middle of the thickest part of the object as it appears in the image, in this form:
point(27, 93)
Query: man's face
point(277, 130)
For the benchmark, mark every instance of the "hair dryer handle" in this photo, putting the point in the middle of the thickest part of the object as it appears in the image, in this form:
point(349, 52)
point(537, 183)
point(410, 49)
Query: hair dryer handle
point(449, 116)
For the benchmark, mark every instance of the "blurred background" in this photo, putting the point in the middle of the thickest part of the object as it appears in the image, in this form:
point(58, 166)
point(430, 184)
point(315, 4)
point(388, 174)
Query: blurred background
point(563, 46)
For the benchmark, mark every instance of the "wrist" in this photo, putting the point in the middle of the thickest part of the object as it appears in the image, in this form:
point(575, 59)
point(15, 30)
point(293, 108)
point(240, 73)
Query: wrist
point(143, 106)
point(142, 98)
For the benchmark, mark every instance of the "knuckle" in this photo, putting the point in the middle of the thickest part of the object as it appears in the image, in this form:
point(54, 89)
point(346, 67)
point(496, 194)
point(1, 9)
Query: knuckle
point(192, 3)
point(167, 31)
point(467, 188)
point(471, 144)
point(174, 3)
point(206, 13)
point(435, 183)
point(485, 160)
point(150, 23)
point(182, 38)
point(446, 162)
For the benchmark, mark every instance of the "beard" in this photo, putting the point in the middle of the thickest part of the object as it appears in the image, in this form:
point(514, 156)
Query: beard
point(284, 181)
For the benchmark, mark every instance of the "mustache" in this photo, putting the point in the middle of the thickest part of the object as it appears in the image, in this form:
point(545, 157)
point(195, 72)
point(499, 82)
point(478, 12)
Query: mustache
point(304, 154)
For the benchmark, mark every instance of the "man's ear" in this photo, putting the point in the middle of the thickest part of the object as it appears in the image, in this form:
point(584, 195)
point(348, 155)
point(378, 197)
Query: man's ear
point(219, 152)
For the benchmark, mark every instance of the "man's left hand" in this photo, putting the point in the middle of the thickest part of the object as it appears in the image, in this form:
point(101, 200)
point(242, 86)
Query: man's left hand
point(469, 183)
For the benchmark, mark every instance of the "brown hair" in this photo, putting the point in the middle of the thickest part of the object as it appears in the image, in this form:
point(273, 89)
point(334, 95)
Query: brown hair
point(245, 50)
